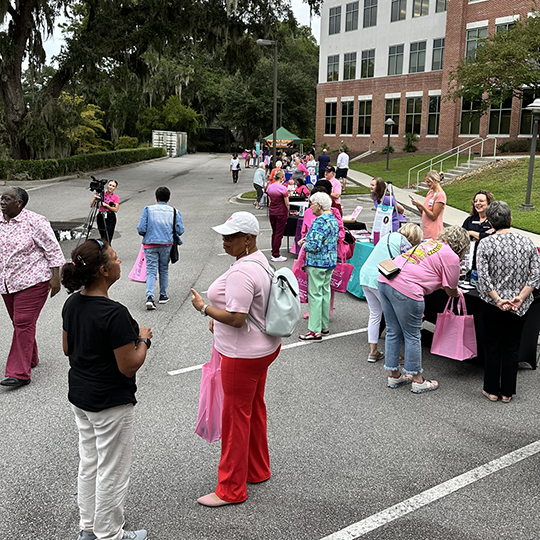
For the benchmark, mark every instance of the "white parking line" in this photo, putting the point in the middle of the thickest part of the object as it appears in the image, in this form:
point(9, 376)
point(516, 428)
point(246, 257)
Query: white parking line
point(435, 493)
point(284, 348)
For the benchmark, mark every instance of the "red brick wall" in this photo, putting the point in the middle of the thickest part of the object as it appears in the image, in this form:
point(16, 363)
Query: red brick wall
point(460, 12)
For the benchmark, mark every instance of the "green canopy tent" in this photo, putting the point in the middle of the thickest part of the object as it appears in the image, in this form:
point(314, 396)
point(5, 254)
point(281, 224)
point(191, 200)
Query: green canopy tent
point(284, 139)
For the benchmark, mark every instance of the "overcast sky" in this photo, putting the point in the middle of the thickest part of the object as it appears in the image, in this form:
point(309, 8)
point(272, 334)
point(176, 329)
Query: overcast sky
point(301, 12)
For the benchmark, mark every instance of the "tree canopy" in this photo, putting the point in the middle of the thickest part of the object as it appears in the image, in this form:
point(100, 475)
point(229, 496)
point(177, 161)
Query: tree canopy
point(505, 64)
point(127, 56)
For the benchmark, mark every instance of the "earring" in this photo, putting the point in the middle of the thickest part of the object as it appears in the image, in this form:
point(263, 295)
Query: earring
point(247, 250)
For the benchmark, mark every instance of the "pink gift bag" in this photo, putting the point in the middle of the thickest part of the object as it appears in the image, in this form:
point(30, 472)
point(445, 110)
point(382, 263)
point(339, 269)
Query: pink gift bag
point(301, 276)
point(138, 272)
point(454, 335)
point(340, 277)
point(210, 400)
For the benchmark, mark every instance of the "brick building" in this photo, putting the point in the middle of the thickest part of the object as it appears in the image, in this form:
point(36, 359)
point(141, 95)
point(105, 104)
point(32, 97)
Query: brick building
point(383, 59)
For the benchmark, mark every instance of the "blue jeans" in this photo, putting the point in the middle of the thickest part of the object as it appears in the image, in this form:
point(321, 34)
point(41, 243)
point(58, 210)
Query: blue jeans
point(157, 259)
point(403, 317)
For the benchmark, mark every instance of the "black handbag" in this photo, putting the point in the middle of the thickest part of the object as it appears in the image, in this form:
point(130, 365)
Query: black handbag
point(176, 243)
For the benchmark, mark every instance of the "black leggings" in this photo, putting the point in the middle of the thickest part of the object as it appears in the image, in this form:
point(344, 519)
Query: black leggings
point(106, 225)
point(235, 175)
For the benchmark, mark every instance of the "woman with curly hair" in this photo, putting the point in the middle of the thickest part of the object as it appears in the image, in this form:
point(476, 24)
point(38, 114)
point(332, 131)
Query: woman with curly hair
point(432, 265)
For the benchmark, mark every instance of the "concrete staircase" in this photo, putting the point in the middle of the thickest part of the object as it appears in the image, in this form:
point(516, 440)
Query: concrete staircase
point(465, 168)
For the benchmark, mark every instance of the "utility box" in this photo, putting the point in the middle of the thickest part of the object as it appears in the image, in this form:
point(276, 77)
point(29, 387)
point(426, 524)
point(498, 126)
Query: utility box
point(174, 142)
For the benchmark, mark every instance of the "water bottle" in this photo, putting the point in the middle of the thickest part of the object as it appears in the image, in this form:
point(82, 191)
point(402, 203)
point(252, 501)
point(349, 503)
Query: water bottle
point(474, 277)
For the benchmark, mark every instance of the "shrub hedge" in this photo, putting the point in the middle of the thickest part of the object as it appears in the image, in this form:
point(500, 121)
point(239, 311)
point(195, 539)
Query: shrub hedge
point(40, 169)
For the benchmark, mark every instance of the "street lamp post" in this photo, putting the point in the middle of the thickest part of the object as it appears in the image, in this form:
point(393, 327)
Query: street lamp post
point(388, 123)
point(534, 107)
point(266, 43)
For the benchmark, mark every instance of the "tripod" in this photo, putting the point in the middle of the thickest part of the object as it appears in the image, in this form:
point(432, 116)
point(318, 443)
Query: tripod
point(90, 220)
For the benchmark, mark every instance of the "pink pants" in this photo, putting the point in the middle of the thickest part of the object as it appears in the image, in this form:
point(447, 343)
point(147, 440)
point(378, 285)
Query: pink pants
point(24, 308)
point(244, 444)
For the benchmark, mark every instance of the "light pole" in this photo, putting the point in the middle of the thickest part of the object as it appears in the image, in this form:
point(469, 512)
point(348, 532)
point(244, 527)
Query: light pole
point(534, 107)
point(266, 43)
point(388, 123)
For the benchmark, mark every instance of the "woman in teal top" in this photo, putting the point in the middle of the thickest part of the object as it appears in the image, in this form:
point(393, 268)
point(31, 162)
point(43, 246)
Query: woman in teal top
point(320, 245)
point(388, 247)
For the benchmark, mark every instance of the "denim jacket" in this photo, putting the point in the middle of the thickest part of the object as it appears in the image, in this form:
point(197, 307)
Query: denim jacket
point(156, 224)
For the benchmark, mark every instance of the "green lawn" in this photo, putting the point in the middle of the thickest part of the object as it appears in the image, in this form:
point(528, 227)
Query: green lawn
point(399, 168)
point(350, 190)
point(507, 183)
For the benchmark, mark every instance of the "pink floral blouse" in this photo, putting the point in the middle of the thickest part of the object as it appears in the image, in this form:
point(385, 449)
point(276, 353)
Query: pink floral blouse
point(28, 251)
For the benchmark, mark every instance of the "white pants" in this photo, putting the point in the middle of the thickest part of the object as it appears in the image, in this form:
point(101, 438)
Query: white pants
point(105, 444)
point(375, 313)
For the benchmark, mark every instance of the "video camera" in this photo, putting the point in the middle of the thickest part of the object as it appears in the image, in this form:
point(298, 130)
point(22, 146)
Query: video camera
point(97, 185)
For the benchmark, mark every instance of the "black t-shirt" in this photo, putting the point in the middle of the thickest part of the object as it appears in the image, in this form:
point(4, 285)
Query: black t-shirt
point(472, 223)
point(95, 327)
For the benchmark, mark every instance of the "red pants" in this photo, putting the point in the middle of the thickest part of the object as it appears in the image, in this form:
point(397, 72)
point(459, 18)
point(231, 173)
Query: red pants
point(24, 308)
point(278, 224)
point(244, 444)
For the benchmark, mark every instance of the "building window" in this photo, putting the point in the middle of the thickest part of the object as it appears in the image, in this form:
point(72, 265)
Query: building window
point(330, 119)
point(420, 8)
point(438, 55)
point(368, 64)
point(434, 113)
point(499, 118)
point(504, 27)
point(364, 117)
point(351, 17)
point(526, 123)
point(395, 60)
point(440, 5)
point(347, 112)
point(334, 20)
point(470, 118)
point(332, 71)
point(472, 41)
point(349, 66)
point(398, 10)
point(370, 13)
point(417, 58)
point(413, 115)
point(392, 111)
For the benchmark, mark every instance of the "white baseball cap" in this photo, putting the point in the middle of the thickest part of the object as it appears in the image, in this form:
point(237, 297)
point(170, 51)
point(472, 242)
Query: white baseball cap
point(243, 222)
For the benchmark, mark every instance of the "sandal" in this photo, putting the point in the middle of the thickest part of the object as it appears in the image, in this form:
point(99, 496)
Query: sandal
point(311, 336)
point(491, 397)
point(424, 386)
point(506, 399)
point(375, 357)
point(325, 332)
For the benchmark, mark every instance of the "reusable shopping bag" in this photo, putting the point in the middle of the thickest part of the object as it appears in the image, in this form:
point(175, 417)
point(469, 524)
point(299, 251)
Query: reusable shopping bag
point(383, 217)
point(454, 335)
point(301, 276)
point(340, 277)
point(138, 272)
point(210, 400)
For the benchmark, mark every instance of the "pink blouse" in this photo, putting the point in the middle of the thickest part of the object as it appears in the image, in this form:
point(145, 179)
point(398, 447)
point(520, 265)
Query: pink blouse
point(28, 251)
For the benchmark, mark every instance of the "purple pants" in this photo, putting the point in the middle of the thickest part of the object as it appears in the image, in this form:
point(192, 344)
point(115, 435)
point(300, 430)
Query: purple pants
point(278, 224)
point(24, 308)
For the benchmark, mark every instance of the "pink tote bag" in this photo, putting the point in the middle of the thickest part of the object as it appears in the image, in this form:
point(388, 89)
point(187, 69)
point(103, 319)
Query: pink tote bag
point(138, 272)
point(301, 276)
point(340, 277)
point(210, 400)
point(454, 335)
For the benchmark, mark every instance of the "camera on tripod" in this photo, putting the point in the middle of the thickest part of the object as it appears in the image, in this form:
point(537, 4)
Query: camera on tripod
point(97, 185)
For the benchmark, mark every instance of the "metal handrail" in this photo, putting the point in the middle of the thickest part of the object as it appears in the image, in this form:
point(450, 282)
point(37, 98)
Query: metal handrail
point(469, 145)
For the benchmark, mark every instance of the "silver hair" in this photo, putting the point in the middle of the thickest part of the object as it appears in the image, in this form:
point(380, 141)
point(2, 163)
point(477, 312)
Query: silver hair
point(457, 238)
point(323, 199)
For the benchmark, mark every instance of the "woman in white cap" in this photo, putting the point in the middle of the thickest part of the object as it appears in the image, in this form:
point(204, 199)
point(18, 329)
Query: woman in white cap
point(246, 353)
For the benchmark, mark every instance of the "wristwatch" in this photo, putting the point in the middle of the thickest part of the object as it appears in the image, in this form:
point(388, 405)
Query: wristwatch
point(146, 341)
point(203, 310)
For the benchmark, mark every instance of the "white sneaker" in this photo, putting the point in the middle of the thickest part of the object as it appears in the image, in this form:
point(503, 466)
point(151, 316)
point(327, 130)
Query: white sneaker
point(135, 535)
point(279, 259)
point(394, 382)
point(424, 386)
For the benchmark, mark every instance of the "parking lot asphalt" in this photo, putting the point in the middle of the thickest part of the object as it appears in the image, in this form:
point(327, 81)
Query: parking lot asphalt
point(344, 448)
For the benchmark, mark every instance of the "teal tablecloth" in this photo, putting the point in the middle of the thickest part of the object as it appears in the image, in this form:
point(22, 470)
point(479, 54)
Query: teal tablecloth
point(362, 251)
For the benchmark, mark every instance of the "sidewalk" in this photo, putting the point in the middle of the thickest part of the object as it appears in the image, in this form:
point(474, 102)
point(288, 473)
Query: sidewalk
point(452, 216)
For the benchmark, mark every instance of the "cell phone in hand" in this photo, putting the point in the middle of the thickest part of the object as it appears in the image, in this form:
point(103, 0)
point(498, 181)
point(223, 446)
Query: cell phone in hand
point(411, 197)
point(112, 204)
